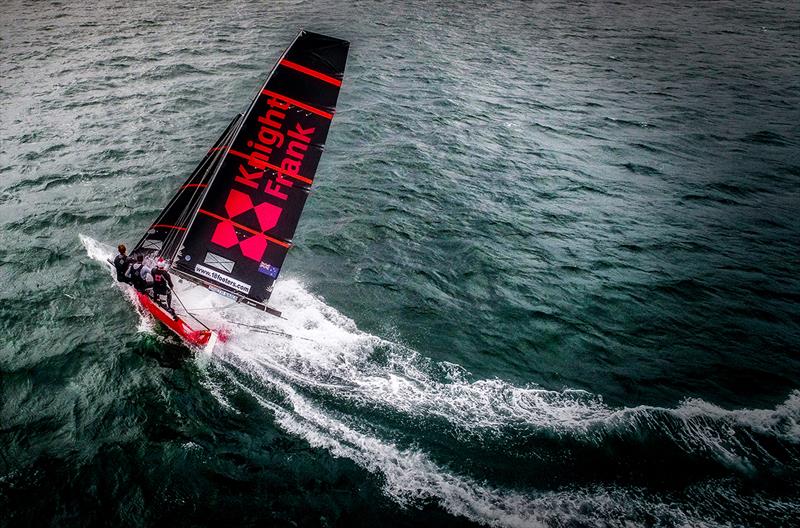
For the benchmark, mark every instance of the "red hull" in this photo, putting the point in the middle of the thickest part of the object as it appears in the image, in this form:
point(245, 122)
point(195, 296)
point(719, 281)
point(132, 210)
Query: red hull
point(187, 333)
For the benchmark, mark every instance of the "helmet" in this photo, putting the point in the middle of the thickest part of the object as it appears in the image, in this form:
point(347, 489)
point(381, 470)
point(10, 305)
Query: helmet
point(161, 263)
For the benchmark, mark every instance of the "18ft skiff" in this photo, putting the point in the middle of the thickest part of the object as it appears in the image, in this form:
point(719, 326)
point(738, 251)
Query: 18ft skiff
point(229, 227)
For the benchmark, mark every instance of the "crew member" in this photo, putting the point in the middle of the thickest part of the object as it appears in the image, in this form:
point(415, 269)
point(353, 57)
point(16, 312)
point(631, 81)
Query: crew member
point(121, 263)
point(162, 284)
point(138, 274)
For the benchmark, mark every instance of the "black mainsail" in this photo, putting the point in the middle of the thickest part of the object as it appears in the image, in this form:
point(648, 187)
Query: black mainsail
point(231, 228)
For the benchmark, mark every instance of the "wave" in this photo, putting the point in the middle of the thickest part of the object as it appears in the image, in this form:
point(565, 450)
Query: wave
point(372, 372)
point(378, 403)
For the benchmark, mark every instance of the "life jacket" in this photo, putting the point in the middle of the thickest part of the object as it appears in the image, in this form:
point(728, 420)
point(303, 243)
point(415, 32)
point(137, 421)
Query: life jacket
point(159, 280)
point(136, 276)
point(121, 264)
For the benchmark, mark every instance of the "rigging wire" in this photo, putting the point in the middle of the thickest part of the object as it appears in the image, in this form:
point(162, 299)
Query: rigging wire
point(190, 314)
point(256, 328)
point(213, 307)
point(265, 330)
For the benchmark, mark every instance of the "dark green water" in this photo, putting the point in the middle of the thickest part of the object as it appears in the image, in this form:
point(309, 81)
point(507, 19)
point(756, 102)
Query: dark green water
point(548, 275)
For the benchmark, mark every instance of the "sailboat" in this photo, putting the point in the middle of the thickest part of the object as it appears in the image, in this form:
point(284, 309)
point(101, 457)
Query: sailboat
point(230, 225)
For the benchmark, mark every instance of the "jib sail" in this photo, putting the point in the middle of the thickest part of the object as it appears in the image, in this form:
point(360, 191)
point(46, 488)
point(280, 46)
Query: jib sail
point(164, 236)
point(244, 224)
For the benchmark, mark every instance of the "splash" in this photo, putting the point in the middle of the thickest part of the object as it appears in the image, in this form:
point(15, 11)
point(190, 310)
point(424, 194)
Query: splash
point(330, 360)
point(336, 361)
point(369, 371)
point(103, 253)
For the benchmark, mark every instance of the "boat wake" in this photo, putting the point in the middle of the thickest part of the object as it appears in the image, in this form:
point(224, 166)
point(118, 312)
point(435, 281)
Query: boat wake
point(389, 409)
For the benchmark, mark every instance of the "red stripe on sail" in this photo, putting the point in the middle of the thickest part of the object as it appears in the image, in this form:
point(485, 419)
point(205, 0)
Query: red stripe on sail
point(194, 185)
point(167, 226)
point(244, 228)
point(312, 73)
point(273, 167)
point(298, 104)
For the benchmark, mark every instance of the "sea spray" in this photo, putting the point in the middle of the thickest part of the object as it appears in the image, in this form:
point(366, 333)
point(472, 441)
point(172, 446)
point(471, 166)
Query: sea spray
point(338, 364)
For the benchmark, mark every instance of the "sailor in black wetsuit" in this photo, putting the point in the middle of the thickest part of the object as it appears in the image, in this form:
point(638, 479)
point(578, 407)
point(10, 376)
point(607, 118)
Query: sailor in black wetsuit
point(121, 263)
point(137, 273)
point(162, 284)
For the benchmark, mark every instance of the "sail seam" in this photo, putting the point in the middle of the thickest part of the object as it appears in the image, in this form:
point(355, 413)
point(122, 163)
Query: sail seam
point(167, 226)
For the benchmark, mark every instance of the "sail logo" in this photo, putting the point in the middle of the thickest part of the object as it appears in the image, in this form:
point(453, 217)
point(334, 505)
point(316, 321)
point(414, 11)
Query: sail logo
point(258, 173)
point(237, 204)
point(271, 135)
point(209, 273)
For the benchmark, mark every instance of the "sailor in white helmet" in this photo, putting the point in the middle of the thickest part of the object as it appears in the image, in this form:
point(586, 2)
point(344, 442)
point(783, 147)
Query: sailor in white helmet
point(162, 283)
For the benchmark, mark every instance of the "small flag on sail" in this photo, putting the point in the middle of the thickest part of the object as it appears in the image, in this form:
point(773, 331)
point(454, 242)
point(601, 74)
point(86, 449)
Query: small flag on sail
point(269, 269)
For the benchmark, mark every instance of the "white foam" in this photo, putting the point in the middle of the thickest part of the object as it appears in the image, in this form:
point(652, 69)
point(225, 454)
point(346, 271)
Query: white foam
point(102, 253)
point(330, 355)
point(343, 359)
point(409, 475)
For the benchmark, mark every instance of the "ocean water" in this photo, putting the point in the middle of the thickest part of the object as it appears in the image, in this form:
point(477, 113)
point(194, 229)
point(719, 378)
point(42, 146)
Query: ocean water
point(548, 275)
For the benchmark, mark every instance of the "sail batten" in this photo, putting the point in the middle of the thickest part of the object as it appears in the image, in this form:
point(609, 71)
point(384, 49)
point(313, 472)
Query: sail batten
point(308, 71)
